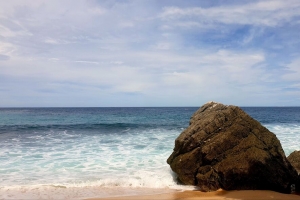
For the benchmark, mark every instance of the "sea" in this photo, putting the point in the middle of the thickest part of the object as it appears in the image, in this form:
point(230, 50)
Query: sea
point(78, 153)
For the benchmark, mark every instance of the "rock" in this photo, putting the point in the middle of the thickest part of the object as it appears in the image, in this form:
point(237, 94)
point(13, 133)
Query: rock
point(294, 159)
point(224, 147)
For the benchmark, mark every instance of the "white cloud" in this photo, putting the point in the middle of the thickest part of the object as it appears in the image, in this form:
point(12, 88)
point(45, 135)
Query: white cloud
point(153, 71)
point(10, 28)
point(253, 33)
point(293, 71)
point(162, 46)
point(262, 13)
point(98, 11)
point(51, 41)
point(87, 62)
point(7, 48)
point(218, 70)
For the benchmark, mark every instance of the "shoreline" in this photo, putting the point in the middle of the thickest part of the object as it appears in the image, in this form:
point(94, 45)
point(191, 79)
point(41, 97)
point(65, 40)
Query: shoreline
point(170, 194)
point(130, 193)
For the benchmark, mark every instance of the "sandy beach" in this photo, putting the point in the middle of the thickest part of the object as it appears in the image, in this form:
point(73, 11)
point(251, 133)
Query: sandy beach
point(218, 195)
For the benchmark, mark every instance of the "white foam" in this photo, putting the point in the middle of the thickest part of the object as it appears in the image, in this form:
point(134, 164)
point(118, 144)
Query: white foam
point(112, 185)
point(288, 134)
point(135, 160)
point(62, 192)
point(88, 165)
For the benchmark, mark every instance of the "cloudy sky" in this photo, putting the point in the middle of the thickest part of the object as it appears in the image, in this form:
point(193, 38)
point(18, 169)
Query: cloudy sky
point(149, 52)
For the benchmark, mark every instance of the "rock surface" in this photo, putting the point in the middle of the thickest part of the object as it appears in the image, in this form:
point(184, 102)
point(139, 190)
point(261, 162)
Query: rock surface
point(294, 159)
point(224, 147)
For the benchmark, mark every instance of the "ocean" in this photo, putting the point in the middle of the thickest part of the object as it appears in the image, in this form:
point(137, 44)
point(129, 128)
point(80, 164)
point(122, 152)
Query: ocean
point(60, 153)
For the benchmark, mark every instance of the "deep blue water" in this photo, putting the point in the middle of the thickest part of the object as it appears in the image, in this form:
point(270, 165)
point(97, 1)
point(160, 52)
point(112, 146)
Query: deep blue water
point(110, 119)
point(101, 119)
point(106, 147)
point(274, 115)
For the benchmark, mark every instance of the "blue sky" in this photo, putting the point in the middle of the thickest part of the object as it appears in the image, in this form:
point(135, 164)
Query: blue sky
point(149, 53)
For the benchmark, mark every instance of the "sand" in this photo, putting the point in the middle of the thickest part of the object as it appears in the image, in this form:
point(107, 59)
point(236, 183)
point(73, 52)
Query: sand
point(218, 195)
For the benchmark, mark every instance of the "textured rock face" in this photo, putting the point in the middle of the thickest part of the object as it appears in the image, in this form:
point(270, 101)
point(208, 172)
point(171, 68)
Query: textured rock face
point(224, 147)
point(294, 159)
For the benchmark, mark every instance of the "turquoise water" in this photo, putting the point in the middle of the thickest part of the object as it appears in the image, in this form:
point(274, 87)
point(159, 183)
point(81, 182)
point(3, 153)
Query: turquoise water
point(85, 151)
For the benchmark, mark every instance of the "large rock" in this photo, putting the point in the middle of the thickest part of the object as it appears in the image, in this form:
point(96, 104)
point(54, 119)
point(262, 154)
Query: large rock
point(224, 147)
point(294, 159)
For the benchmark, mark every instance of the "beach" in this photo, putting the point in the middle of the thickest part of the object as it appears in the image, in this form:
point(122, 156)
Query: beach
point(120, 193)
point(82, 153)
point(218, 195)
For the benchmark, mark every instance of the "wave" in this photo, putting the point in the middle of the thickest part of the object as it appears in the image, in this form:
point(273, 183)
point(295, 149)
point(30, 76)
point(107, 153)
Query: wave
point(103, 127)
point(141, 181)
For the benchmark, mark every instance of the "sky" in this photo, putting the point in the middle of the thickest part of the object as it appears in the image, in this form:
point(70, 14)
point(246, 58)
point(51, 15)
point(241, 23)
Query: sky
point(132, 53)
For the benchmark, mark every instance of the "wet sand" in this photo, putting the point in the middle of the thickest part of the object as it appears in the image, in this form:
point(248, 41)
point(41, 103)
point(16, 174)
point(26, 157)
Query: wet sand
point(218, 195)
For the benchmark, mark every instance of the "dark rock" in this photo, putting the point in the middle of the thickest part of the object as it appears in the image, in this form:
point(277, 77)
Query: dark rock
point(294, 159)
point(224, 147)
